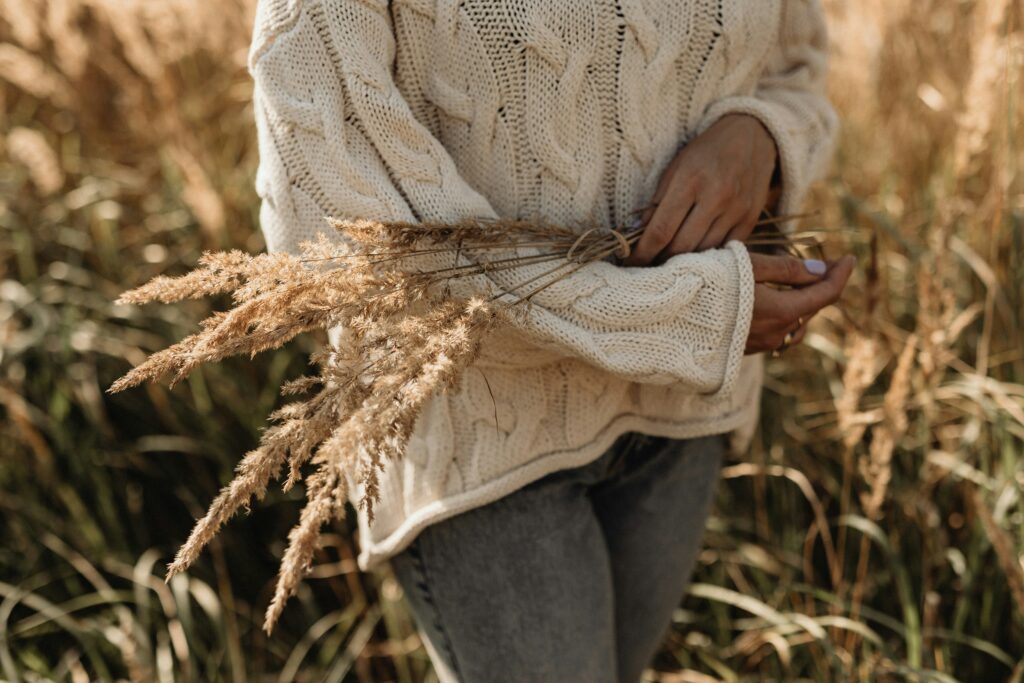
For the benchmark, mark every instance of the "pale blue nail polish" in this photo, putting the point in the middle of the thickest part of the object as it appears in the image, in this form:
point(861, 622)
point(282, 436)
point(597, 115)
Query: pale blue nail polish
point(814, 266)
point(635, 223)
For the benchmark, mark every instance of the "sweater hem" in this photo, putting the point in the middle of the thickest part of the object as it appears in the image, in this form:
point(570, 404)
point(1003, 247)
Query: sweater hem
point(373, 554)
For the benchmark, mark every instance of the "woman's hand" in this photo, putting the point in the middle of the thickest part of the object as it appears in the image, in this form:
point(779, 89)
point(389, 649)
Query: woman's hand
point(712, 191)
point(778, 312)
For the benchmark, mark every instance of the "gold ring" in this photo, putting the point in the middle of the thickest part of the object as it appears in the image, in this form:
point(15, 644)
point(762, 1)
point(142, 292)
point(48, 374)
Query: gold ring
point(786, 342)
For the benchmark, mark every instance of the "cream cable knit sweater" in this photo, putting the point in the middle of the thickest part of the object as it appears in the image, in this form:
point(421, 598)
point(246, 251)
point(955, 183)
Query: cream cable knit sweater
point(564, 110)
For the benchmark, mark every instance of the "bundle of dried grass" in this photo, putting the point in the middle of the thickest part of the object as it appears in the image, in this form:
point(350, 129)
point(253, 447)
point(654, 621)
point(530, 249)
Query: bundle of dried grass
point(416, 302)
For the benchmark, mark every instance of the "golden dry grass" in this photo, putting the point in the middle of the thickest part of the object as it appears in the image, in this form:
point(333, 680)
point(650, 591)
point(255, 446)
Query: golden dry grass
point(875, 531)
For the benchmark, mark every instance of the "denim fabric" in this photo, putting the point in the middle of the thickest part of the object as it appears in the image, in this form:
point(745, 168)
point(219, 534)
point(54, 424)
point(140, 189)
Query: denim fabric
point(573, 577)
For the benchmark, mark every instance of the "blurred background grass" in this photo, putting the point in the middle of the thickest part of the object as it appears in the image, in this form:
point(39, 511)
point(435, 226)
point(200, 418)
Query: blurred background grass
point(875, 532)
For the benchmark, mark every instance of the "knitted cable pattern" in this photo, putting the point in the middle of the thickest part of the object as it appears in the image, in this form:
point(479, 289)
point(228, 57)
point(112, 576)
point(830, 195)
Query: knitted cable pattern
point(557, 111)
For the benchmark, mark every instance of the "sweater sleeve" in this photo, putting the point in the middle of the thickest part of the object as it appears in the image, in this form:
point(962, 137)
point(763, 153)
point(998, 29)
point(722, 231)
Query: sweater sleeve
point(789, 99)
point(337, 138)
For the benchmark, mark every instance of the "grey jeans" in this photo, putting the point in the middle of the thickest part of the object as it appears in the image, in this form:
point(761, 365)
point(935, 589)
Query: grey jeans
point(573, 577)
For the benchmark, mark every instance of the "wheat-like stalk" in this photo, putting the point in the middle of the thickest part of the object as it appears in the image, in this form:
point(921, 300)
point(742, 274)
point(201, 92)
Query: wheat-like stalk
point(30, 148)
point(416, 303)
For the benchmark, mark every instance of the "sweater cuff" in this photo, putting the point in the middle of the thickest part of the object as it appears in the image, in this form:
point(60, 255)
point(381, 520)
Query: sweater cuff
point(787, 131)
point(684, 321)
point(740, 324)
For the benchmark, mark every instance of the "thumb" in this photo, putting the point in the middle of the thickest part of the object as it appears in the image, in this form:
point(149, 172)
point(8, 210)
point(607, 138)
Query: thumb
point(786, 270)
point(809, 300)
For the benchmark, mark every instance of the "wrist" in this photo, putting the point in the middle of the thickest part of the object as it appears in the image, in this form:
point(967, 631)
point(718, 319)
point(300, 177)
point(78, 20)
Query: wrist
point(767, 142)
point(761, 131)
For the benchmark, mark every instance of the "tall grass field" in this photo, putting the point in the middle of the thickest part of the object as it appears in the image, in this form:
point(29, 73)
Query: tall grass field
point(874, 532)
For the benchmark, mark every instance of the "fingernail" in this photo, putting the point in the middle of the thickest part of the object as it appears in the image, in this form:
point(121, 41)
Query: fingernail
point(635, 223)
point(814, 266)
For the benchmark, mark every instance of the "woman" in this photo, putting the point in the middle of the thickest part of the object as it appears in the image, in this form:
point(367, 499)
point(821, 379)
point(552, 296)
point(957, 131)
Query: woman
point(549, 510)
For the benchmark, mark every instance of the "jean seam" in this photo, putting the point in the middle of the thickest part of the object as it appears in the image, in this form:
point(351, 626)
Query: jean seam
point(423, 581)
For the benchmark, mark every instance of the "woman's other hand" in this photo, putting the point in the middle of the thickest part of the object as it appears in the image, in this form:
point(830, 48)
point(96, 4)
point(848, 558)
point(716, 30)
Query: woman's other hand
point(712, 191)
point(813, 285)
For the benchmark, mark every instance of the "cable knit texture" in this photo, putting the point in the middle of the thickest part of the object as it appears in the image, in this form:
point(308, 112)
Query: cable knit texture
point(564, 111)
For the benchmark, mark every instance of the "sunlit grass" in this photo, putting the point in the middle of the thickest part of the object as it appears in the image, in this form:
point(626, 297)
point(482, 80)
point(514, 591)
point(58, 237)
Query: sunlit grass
point(874, 532)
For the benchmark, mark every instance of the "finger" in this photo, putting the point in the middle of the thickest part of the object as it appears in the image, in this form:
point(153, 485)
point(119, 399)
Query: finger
point(798, 335)
point(747, 222)
point(693, 229)
point(808, 300)
point(662, 227)
point(741, 231)
point(787, 341)
point(786, 270)
point(736, 224)
point(798, 328)
point(665, 182)
point(721, 227)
